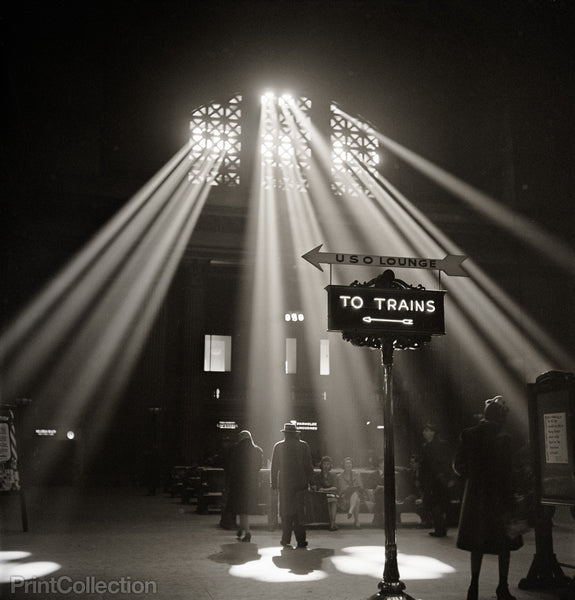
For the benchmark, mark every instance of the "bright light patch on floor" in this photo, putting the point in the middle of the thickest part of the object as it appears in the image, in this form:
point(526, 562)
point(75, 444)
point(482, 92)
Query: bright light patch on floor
point(11, 570)
point(369, 560)
point(277, 565)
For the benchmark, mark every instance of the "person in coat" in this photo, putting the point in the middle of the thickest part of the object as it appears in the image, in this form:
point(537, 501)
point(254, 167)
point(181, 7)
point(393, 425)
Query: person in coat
point(483, 459)
point(436, 478)
point(350, 491)
point(291, 472)
point(245, 464)
point(326, 483)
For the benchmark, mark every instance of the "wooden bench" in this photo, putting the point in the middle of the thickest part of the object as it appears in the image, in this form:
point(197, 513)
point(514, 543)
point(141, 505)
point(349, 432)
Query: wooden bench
point(211, 489)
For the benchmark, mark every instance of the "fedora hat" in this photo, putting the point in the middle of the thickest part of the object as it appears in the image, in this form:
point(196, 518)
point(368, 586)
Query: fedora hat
point(290, 427)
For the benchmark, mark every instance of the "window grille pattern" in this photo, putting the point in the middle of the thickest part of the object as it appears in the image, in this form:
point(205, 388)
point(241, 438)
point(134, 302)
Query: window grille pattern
point(354, 149)
point(215, 145)
point(285, 142)
point(215, 133)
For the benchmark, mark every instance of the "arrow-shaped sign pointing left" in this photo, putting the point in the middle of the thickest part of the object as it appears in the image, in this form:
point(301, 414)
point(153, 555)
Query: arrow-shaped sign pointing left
point(451, 264)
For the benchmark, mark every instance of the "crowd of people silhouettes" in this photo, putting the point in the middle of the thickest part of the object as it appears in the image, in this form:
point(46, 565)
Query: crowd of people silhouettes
point(482, 463)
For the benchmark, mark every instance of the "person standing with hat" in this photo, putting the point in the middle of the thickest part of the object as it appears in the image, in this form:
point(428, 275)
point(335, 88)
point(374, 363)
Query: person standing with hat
point(291, 472)
point(436, 477)
point(484, 460)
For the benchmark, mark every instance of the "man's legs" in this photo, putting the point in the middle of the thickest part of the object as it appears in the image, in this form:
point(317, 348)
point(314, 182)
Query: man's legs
point(287, 527)
point(439, 501)
point(299, 530)
point(245, 523)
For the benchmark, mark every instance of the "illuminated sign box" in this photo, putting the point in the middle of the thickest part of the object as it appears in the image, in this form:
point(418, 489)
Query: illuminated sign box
point(45, 432)
point(227, 425)
point(306, 425)
point(377, 310)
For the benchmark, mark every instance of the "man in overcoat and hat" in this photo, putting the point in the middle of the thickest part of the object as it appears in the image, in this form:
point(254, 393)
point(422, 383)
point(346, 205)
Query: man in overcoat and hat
point(436, 478)
point(291, 472)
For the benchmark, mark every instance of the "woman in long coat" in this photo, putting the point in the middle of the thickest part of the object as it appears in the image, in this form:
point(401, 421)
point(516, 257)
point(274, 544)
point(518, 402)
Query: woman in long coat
point(484, 460)
point(245, 464)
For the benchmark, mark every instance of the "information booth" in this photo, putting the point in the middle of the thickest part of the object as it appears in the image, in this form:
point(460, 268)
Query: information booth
point(552, 432)
point(552, 416)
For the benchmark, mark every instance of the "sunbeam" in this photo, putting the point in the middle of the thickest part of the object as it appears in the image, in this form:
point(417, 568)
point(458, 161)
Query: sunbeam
point(516, 225)
point(74, 348)
point(82, 335)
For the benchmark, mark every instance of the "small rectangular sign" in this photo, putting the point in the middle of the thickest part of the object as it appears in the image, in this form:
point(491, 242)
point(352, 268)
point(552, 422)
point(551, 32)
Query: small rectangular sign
point(556, 449)
point(376, 310)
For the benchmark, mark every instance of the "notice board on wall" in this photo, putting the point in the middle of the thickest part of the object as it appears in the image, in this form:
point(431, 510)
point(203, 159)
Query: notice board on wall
point(552, 420)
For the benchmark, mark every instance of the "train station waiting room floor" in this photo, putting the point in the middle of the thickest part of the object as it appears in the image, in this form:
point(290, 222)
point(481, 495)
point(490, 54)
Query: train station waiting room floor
point(117, 542)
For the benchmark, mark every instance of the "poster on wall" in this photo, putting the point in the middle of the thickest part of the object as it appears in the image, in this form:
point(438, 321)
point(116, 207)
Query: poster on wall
point(9, 476)
point(555, 430)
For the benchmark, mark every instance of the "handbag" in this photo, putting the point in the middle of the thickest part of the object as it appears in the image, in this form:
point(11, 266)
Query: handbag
point(516, 527)
point(520, 522)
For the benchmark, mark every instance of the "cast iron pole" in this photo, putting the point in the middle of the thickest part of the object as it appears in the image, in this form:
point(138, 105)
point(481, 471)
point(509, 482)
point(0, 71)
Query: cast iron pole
point(390, 584)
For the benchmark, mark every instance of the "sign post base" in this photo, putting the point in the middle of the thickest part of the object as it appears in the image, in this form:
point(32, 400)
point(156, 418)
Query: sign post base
point(545, 571)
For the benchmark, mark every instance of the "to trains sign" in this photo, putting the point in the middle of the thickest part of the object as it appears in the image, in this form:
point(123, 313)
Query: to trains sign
point(385, 311)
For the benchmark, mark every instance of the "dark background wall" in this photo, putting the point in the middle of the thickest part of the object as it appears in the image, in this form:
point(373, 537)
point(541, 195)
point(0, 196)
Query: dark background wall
point(96, 99)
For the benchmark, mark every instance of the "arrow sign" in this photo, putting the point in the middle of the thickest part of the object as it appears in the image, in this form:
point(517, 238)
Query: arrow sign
point(372, 310)
point(451, 264)
point(374, 320)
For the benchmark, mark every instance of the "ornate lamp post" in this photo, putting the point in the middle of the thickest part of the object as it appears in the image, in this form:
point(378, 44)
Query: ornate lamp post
point(388, 314)
point(387, 340)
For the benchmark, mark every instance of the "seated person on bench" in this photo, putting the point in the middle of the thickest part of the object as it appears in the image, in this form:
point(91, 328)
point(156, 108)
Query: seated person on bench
point(325, 482)
point(376, 485)
point(350, 491)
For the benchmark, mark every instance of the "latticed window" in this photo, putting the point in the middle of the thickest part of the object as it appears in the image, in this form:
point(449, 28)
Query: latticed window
point(215, 131)
point(354, 151)
point(285, 142)
point(215, 145)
